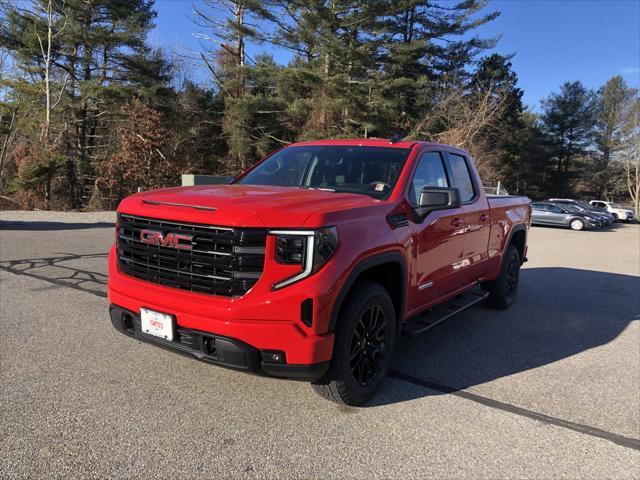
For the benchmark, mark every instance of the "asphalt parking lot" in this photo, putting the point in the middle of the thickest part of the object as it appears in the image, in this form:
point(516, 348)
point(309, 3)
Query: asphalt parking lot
point(550, 388)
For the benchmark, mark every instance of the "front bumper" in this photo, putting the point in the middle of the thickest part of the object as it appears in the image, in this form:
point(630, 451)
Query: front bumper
point(258, 322)
point(218, 349)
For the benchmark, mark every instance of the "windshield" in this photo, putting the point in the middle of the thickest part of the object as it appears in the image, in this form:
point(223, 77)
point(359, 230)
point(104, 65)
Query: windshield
point(614, 205)
point(372, 171)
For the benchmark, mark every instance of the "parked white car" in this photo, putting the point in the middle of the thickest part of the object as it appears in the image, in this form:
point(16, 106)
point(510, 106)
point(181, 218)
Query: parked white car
point(622, 214)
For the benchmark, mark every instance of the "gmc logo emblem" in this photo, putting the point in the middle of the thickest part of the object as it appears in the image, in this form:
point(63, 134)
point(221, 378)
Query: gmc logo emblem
point(172, 240)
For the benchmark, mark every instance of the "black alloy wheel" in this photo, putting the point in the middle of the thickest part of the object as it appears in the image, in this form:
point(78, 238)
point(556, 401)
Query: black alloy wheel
point(369, 348)
point(503, 290)
point(365, 337)
point(512, 274)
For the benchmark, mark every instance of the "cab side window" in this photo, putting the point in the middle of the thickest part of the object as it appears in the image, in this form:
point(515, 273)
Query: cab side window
point(461, 177)
point(554, 209)
point(430, 172)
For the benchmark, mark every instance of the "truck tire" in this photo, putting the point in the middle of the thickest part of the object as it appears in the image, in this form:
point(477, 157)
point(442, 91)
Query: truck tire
point(502, 291)
point(364, 342)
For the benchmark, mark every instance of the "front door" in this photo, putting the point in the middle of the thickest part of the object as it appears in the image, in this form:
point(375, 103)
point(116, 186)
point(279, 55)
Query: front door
point(557, 215)
point(437, 241)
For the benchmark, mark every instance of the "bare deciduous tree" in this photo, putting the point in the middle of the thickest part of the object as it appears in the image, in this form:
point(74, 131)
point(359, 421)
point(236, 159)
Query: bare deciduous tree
point(45, 49)
point(467, 120)
point(631, 152)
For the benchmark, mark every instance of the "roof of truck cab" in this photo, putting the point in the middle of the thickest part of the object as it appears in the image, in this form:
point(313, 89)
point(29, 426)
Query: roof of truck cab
point(370, 142)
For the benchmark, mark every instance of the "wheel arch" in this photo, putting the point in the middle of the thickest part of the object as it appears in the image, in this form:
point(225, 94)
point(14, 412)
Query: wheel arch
point(389, 270)
point(518, 237)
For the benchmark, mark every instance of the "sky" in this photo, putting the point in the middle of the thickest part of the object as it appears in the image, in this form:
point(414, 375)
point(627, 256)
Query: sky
point(554, 41)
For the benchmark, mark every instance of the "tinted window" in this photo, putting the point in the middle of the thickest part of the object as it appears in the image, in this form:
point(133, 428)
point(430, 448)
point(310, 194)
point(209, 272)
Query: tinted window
point(537, 206)
point(461, 177)
point(429, 173)
point(554, 208)
point(370, 170)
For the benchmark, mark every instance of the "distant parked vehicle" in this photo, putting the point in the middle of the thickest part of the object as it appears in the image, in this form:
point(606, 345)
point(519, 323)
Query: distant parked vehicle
point(622, 214)
point(584, 207)
point(602, 220)
point(545, 213)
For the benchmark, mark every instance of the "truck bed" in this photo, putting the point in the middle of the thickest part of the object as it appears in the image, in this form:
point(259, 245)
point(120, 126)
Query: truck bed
point(502, 201)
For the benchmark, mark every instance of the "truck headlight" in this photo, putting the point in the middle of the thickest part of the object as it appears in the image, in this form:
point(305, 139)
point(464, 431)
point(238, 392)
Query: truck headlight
point(310, 249)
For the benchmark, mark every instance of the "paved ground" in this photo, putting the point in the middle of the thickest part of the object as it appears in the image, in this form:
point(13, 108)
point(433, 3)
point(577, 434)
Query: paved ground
point(548, 389)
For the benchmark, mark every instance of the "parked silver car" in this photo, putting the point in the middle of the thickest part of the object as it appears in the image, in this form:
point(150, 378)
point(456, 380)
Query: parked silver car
point(545, 213)
point(584, 207)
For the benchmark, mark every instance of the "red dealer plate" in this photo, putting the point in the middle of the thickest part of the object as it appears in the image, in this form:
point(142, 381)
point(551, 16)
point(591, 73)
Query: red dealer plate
point(156, 323)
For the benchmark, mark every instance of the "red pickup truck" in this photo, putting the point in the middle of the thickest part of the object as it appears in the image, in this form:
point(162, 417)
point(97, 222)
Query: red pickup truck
point(311, 264)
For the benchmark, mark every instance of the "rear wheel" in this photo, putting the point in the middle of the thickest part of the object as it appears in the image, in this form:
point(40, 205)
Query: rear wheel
point(502, 291)
point(577, 224)
point(364, 342)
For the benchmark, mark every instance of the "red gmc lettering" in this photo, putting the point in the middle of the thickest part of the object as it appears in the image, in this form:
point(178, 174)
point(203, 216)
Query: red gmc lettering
point(172, 240)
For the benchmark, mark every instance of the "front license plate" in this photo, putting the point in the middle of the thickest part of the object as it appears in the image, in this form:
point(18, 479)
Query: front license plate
point(156, 323)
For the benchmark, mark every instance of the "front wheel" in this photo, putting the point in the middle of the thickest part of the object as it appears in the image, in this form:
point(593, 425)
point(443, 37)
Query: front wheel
point(577, 224)
point(502, 291)
point(364, 342)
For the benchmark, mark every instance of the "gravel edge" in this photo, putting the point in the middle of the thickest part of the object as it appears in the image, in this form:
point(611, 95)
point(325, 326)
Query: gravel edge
point(60, 217)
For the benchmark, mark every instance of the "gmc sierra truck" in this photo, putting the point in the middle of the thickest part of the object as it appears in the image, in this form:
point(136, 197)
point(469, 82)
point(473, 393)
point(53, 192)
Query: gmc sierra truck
point(312, 263)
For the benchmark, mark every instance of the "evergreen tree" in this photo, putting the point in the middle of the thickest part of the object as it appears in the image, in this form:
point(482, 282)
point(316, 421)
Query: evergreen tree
point(97, 55)
point(567, 121)
point(611, 101)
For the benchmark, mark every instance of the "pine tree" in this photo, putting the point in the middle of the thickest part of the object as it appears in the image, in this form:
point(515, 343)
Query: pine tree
point(420, 47)
point(567, 121)
point(611, 102)
point(92, 64)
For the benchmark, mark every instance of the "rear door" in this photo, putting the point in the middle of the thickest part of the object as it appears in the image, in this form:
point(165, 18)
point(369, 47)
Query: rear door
point(438, 240)
point(477, 219)
point(557, 215)
point(539, 213)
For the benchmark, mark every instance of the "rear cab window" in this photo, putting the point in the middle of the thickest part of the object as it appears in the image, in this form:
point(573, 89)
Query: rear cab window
point(462, 177)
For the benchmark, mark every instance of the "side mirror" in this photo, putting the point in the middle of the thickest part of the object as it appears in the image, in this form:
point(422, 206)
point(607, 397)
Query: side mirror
point(436, 198)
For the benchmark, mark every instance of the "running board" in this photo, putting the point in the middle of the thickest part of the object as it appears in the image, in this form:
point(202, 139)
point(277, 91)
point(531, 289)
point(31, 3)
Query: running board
point(423, 322)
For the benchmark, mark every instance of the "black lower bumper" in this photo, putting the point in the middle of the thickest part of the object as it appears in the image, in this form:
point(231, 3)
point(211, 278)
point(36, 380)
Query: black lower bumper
point(217, 349)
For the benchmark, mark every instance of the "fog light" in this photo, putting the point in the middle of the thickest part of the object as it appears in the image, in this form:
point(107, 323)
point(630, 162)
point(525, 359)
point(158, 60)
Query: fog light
point(209, 346)
point(127, 321)
point(272, 356)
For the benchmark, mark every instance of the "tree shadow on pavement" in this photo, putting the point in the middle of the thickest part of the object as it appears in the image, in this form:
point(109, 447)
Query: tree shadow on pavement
point(559, 312)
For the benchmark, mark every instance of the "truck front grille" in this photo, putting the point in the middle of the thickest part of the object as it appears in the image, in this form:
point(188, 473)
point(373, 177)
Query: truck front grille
point(221, 261)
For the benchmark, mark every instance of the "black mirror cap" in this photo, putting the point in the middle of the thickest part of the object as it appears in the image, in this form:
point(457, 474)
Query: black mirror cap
point(436, 198)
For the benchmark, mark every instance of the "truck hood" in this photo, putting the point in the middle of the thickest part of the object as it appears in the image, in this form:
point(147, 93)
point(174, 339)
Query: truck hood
point(241, 205)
